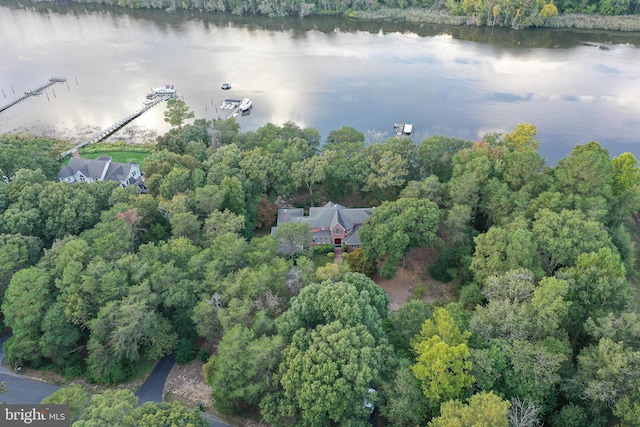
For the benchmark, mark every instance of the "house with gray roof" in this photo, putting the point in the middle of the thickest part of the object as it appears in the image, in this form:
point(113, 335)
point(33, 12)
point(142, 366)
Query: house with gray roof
point(331, 224)
point(101, 169)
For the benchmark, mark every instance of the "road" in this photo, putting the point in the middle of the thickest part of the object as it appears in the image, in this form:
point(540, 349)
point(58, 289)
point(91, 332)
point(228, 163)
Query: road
point(151, 390)
point(26, 390)
point(21, 389)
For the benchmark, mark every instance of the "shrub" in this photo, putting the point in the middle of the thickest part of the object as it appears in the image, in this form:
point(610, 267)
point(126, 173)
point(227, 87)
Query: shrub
point(322, 249)
point(439, 270)
point(359, 263)
point(419, 289)
point(186, 351)
point(331, 254)
point(203, 355)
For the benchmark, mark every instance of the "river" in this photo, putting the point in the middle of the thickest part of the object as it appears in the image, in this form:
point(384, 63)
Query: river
point(322, 72)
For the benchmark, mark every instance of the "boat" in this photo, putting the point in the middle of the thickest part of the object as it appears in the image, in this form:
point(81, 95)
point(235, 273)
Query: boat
point(226, 86)
point(162, 91)
point(403, 128)
point(245, 104)
point(230, 104)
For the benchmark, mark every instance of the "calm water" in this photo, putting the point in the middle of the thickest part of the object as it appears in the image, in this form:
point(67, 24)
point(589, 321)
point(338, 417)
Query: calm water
point(322, 73)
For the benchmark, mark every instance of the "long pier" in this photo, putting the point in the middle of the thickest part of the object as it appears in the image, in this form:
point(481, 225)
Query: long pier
point(106, 133)
point(34, 92)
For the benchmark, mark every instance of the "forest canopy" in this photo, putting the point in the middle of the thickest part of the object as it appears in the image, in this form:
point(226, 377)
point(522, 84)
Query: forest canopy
point(97, 279)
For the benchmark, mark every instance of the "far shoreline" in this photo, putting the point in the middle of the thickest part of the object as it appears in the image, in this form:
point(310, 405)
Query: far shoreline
point(623, 23)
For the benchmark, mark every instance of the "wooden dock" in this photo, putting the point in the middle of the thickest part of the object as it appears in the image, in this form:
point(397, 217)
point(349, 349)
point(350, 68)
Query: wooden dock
point(106, 133)
point(34, 92)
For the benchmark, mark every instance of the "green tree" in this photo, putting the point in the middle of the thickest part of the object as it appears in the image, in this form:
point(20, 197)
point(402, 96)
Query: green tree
point(405, 323)
point(294, 237)
point(177, 112)
point(353, 300)
point(325, 375)
point(243, 368)
point(358, 262)
point(500, 250)
point(483, 410)
point(74, 395)
point(562, 237)
point(395, 227)
point(442, 362)
point(172, 414)
point(311, 171)
point(59, 336)
point(435, 155)
point(607, 372)
point(127, 331)
point(522, 138)
point(405, 404)
point(626, 185)
point(108, 409)
point(25, 303)
point(598, 288)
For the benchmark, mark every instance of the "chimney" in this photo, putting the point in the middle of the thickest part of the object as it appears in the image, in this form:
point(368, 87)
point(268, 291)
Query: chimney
point(76, 154)
point(285, 215)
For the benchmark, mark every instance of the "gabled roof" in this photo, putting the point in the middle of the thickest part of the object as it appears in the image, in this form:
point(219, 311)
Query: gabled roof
point(328, 217)
point(102, 169)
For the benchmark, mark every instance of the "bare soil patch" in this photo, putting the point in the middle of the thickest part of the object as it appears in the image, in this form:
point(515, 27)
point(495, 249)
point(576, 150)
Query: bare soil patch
point(408, 280)
point(186, 384)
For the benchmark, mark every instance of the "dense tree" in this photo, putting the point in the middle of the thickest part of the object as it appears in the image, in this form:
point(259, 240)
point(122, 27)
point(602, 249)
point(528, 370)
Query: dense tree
point(165, 414)
point(483, 410)
point(607, 372)
point(405, 323)
point(598, 288)
point(395, 227)
point(109, 408)
point(294, 237)
point(325, 375)
point(442, 363)
point(25, 303)
point(500, 250)
point(435, 155)
point(562, 237)
point(359, 262)
point(26, 152)
point(520, 308)
point(126, 331)
point(74, 395)
point(243, 368)
point(625, 185)
point(405, 404)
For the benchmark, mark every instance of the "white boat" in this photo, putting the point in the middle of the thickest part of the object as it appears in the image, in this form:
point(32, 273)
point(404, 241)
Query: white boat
point(161, 91)
point(403, 128)
point(245, 104)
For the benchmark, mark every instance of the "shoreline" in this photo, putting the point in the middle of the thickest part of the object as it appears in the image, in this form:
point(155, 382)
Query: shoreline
point(623, 23)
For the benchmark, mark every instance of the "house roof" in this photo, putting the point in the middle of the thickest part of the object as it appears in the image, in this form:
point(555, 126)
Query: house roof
point(65, 172)
point(102, 169)
point(327, 217)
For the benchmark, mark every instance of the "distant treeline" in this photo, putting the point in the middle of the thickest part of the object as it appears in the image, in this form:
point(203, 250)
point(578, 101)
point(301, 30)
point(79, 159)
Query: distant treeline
point(506, 13)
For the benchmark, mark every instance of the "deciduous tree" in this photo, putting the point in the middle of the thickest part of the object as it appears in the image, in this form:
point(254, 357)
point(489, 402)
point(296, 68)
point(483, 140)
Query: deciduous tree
point(395, 227)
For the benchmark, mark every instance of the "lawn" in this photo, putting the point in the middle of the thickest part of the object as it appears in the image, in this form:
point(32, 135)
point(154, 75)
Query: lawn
point(119, 152)
point(119, 156)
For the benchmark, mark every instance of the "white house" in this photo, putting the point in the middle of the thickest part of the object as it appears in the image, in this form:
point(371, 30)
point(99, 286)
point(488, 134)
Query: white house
point(101, 169)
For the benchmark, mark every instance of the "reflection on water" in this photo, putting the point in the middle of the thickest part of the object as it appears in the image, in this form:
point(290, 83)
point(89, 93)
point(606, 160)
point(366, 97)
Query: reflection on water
point(321, 72)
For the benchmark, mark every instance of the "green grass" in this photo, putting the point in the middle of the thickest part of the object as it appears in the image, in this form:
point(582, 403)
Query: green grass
point(320, 260)
point(119, 152)
point(119, 156)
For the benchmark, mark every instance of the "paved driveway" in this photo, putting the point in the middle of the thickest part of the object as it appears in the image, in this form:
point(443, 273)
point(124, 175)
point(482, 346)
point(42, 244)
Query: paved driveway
point(21, 389)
